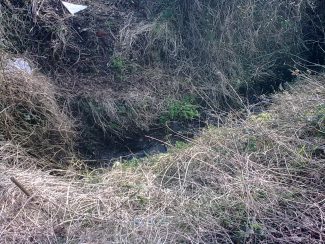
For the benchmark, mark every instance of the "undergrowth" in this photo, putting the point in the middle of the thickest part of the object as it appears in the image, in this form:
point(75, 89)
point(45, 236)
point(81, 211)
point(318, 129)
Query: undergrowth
point(136, 54)
point(30, 115)
point(121, 67)
point(258, 180)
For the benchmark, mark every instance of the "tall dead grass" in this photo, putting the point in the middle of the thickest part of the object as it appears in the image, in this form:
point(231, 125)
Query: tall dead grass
point(30, 116)
point(221, 46)
point(120, 49)
point(259, 180)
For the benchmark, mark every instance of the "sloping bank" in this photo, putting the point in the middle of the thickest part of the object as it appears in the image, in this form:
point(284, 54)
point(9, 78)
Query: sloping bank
point(125, 67)
point(261, 179)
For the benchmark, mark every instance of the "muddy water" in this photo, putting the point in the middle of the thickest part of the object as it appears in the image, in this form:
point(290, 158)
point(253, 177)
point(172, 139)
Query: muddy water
point(155, 141)
point(159, 139)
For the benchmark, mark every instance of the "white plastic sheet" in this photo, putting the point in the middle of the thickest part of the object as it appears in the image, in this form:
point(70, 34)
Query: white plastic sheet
point(19, 64)
point(73, 8)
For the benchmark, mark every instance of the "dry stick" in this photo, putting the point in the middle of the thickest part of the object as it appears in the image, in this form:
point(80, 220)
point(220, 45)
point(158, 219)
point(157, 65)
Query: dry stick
point(20, 186)
point(28, 194)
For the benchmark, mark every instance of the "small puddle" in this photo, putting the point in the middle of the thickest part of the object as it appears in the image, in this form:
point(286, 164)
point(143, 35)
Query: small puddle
point(155, 141)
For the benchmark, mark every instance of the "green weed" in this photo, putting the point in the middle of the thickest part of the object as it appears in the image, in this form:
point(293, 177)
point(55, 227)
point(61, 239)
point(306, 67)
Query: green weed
point(184, 110)
point(260, 194)
point(167, 14)
point(118, 65)
point(257, 228)
point(142, 200)
point(261, 118)
point(251, 145)
point(181, 145)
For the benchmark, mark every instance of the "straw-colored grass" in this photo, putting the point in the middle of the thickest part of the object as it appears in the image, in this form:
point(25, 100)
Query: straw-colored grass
point(259, 180)
point(30, 115)
point(128, 60)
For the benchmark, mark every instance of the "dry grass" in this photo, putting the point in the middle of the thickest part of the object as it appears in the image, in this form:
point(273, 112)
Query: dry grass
point(113, 92)
point(251, 181)
point(255, 180)
point(63, 44)
point(130, 107)
point(30, 116)
point(220, 45)
point(135, 54)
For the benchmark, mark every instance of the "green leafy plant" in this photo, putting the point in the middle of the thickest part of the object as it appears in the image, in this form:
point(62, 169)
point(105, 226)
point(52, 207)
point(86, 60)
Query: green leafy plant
point(181, 111)
point(167, 14)
point(118, 65)
point(142, 200)
point(132, 163)
point(257, 228)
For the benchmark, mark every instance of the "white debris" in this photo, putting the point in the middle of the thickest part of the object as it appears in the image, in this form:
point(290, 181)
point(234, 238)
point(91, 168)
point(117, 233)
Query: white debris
point(73, 8)
point(19, 64)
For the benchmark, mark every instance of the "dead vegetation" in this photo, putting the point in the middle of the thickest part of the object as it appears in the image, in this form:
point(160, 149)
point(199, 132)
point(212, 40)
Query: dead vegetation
point(129, 55)
point(251, 181)
point(30, 116)
point(121, 67)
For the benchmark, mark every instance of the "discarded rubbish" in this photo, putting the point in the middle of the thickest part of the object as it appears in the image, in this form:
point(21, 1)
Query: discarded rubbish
point(73, 8)
point(19, 64)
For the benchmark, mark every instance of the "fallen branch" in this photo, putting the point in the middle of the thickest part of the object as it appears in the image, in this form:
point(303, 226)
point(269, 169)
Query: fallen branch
point(20, 186)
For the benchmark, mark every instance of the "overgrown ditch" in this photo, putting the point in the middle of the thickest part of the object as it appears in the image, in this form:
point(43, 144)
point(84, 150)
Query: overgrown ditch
point(102, 150)
point(139, 76)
